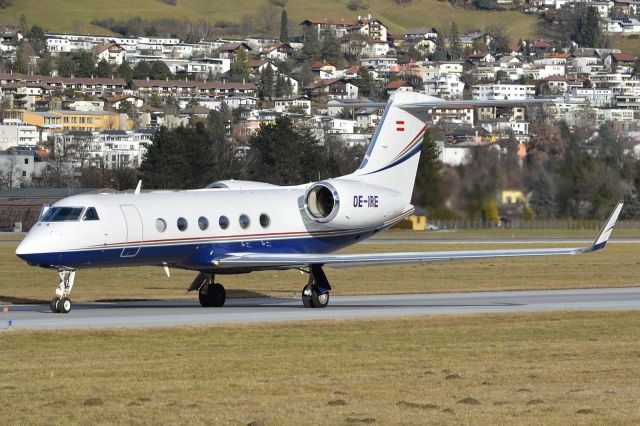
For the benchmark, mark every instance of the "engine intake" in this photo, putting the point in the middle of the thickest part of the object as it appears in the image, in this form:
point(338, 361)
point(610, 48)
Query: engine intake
point(322, 202)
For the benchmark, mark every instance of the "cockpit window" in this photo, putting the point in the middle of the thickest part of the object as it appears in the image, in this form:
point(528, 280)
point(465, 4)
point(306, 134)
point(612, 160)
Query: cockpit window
point(91, 214)
point(62, 214)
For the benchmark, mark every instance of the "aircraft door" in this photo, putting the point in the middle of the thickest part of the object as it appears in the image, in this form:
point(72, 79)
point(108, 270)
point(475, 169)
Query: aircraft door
point(134, 230)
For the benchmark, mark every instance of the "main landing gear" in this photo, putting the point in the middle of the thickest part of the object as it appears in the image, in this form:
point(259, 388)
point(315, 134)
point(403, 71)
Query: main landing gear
point(316, 293)
point(61, 304)
point(210, 294)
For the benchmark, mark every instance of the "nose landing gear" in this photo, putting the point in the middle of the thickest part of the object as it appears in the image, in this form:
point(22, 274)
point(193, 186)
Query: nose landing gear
point(61, 304)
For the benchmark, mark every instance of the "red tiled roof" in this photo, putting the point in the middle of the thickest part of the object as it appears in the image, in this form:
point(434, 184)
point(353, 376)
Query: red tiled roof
point(623, 57)
point(321, 64)
point(396, 84)
point(541, 44)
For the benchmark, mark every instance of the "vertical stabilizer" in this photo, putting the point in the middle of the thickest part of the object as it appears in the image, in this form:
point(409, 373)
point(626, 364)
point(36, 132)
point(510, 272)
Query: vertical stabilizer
point(392, 158)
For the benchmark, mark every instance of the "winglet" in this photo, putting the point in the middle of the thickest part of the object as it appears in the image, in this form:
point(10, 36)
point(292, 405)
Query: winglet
point(603, 237)
point(138, 187)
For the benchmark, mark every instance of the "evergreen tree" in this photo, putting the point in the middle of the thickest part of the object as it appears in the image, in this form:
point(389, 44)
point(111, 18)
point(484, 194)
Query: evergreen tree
point(543, 197)
point(86, 67)
point(240, 69)
point(44, 66)
point(66, 67)
point(279, 87)
point(103, 70)
point(286, 155)
point(159, 71)
point(284, 27)
point(142, 70)
point(364, 81)
point(330, 49)
point(37, 39)
point(311, 49)
point(126, 107)
point(456, 51)
point(125, 71)
point(216, 123)
point(23, 25)
point(20, 63)
point(188, 157)
point(155, 101)
point(266, 84)
point(439, 53)
point(428, 190)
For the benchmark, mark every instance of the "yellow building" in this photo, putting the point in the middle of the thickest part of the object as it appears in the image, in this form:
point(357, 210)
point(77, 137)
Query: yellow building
point(42, 120)
point(513, 196)
point(67, 120)
point(92, 121)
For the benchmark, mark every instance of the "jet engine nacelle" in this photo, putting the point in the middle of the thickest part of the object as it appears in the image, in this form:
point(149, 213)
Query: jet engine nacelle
point(344, 204)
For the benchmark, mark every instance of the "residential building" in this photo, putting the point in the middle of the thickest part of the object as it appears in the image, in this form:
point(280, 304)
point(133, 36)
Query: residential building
point(503, 91)
point(18, 135)
point(112, 53)
point(300, 104)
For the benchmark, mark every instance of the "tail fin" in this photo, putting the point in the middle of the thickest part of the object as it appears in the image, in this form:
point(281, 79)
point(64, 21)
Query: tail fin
point(392, 158)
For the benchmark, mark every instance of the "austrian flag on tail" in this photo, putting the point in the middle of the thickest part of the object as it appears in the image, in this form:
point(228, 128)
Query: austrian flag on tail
point(400, 125)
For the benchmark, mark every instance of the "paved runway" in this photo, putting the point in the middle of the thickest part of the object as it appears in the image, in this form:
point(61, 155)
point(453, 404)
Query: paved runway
point(174, 313)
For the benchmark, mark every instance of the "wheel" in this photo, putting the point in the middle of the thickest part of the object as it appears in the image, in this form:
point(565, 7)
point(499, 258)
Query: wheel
point(307, 291)
point(64, 305)
point(311, 297)
point(218, 295)
point(54, 305)
point(202, 296)
point(319, 300)
point(212, 295)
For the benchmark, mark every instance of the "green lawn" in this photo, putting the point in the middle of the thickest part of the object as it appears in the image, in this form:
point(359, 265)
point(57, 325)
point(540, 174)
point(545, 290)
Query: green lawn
point(542, 369)
point(74, 15)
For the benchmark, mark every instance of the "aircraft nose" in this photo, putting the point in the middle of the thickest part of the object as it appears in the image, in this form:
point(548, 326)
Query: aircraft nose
point(22, 249)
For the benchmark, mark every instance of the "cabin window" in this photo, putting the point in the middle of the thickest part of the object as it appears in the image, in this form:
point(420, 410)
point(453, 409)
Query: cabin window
point(223, 222)
point(161, 225)
point(62, 214)
point(244, 221)
point(265, 220)
point(203, 223)
point(91, 214)
point(182, 224)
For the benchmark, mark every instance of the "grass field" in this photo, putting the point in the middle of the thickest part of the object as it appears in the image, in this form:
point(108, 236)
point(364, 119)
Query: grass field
point(551, 369)
point(616, 266)
point(74, 15)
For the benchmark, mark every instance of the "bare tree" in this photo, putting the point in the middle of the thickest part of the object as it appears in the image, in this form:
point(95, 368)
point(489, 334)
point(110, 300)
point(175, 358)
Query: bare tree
point(78, 149)
point(10, 175)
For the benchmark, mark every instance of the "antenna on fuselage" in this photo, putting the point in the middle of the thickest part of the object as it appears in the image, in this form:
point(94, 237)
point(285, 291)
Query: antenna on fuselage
point(137, 191)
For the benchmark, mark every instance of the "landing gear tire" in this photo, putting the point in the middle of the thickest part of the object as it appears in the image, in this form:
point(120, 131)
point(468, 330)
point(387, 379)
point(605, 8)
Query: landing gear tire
point(54, 305)
point(64, 305)
point(312, 298)
point(212, 295)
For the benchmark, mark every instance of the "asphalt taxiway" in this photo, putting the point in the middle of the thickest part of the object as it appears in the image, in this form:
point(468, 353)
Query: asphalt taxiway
point(263, 310)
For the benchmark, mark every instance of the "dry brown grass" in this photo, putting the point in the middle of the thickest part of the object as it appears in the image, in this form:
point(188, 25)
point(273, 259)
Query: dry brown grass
point(616, 266)
point(545, 368)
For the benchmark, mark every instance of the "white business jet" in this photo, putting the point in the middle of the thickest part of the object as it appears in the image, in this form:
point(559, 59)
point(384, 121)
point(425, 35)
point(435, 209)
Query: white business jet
point(234, 227)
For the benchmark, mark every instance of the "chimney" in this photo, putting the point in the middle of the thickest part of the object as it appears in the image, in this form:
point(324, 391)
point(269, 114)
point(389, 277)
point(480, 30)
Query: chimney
point(147, 78)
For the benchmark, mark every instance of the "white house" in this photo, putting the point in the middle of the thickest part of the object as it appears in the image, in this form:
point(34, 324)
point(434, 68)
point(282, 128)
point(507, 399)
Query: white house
point(503, 91)
point(113, 53)
point(18, 135)
point(300, 103)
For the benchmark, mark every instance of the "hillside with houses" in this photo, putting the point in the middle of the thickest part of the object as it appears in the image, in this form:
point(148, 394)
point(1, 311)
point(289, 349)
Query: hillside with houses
point(81, 108)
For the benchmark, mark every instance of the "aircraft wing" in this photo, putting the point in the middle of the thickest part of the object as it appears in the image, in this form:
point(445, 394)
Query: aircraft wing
point(295, 260)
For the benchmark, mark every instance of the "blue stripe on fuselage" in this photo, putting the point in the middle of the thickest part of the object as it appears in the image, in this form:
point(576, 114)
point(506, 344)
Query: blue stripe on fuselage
point(195, 256)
